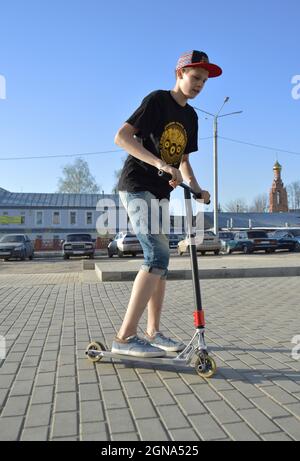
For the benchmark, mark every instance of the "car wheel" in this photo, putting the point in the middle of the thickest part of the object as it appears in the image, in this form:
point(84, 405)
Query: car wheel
point(23, 256)
point(203, 253)
point(133, 255)
point(217, 252)
point(66, 257)
point(91, 256)
point(31, 257)
point(110, 255)
point(120, 254)
point(297, 246)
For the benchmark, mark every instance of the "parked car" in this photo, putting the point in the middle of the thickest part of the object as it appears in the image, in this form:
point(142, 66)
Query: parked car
point(295, 233)
point(285, 240)
point(78, 245)
point(17, 246)
point(250, 241)
point(210, 243)
point(124, 243)
point(225, 236)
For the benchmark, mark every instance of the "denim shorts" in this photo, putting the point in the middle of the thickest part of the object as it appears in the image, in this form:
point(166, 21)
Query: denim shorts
point(151, 226)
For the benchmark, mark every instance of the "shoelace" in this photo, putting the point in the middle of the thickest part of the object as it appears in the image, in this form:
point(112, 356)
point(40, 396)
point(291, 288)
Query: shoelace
point(141, 341)
point(162, 336)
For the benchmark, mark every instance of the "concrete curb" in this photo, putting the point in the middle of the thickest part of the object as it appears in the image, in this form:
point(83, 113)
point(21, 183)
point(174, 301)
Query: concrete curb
point(118, 276)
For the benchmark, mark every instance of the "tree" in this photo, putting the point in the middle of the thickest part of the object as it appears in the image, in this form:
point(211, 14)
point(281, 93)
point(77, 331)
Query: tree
point(237, 206)
point(77, 179)
point(117, 174)
point(260, 204)
point(293, 191)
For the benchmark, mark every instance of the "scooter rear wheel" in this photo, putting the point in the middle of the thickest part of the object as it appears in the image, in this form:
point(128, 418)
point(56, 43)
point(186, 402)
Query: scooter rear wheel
point(97, 347)
point(205, 368)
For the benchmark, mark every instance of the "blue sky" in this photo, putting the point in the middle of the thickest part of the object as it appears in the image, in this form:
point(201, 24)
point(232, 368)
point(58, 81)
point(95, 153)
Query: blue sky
point(75, 70)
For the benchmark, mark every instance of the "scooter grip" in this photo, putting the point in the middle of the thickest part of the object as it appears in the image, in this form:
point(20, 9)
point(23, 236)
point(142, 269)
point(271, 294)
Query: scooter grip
point(198, 196)
point(165, 175)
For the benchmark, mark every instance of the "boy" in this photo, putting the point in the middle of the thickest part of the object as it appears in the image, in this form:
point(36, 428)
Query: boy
point(160, 135)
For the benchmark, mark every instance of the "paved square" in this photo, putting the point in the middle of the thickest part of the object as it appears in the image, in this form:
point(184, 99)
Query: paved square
point(49, 391)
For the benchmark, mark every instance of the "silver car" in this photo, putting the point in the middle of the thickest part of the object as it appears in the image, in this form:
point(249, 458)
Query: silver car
point(124, 243)
point(210, 242)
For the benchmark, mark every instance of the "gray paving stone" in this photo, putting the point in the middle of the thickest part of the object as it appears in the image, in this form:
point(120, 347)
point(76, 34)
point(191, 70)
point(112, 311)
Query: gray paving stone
point(16, 406)
point(291, 426)
point(10, 428)
point(240, 432)
point(207, 427)
point(65, 425)
point(93, 431)
point(39, 434)
point(141, 407)
point(258, 421)
point(65, 401)
point(38, 415)
point(91, 411)
point(152, 430)
point(120, 421)
point(187, 435)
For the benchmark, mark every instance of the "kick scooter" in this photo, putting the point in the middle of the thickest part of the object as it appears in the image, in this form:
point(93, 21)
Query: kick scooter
point(204, 365)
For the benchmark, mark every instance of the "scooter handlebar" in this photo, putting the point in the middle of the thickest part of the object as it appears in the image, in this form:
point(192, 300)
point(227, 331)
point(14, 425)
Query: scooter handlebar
point(167, 176)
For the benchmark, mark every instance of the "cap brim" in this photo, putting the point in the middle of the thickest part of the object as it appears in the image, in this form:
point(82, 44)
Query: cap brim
point(213, 69)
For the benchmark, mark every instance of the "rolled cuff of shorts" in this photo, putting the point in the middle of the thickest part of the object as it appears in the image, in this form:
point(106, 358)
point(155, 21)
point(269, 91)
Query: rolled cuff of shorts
point(155, 270)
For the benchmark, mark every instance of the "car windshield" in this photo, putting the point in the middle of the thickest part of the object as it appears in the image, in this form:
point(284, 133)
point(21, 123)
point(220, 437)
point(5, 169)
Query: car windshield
point(12, 239)
point(79, 238)
point(226, 235)
point(257, 235)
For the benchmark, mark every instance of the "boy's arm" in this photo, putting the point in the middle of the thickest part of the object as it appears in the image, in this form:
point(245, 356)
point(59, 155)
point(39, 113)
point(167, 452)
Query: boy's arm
point(188, 176)
point(125, 139)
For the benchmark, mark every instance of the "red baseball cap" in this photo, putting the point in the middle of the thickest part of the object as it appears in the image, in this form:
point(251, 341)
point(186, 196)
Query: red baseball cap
point(198, 59)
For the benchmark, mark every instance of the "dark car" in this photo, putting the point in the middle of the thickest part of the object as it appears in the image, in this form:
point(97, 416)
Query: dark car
point(250, 241)
point(17, 246)
point(124, 243)
point(255, 240)
point(285, 240)
point(174, 239)
point(78, 245)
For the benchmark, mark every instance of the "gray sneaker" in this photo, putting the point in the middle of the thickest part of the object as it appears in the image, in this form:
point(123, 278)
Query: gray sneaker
point(167, 344)
point(135, 346)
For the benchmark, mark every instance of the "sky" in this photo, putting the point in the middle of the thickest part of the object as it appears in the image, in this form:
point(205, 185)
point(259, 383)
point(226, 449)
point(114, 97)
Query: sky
point(75, 70)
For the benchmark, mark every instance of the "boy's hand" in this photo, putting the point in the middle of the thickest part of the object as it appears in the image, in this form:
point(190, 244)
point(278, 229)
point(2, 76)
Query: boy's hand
point(205, 197)
point(176, 175)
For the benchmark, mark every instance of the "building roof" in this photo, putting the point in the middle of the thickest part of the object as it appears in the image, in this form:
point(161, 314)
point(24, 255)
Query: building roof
point(57, 200)
point(265, 220)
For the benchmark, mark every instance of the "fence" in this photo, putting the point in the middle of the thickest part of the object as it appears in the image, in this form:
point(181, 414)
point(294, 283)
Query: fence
point(56, 244)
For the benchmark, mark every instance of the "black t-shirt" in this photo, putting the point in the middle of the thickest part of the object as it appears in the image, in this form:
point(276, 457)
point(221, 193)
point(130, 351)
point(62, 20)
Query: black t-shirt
point(166, 129)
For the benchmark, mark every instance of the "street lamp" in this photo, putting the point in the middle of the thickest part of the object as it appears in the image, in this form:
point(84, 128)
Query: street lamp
point(215, 150)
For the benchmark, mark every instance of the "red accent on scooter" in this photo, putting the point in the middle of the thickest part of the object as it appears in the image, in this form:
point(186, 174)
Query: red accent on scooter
point(199, 320)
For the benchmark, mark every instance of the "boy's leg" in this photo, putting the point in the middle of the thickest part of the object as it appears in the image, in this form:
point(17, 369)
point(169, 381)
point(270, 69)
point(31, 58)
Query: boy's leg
point(155, 306)
point(144, 286)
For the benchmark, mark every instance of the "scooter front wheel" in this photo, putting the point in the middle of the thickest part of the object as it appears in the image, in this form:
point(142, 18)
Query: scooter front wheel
point(206, 366)
point(93, 347)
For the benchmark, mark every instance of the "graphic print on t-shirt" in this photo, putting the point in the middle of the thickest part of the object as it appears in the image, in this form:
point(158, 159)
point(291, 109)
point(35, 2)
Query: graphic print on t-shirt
point(173, 143)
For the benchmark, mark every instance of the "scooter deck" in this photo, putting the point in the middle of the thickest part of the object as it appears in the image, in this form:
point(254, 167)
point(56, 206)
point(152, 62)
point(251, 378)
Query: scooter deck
point(148, 360)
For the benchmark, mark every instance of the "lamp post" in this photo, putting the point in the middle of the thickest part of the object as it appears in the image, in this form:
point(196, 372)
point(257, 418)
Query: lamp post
point(215, 156)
